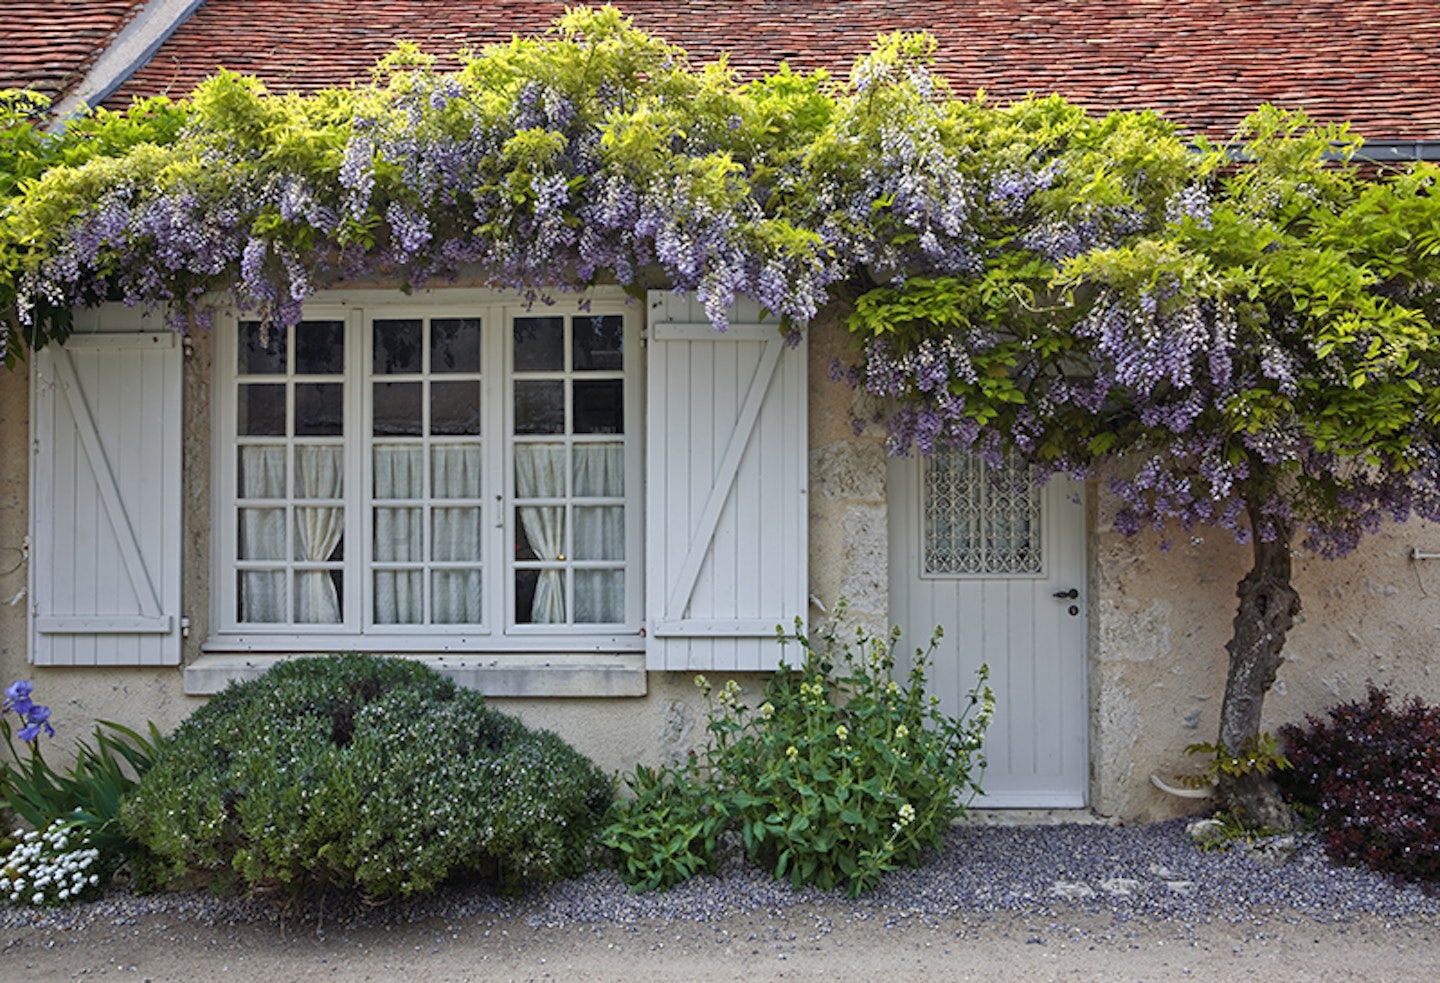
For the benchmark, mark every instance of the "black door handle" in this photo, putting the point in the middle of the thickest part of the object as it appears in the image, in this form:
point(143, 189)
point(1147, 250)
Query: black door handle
point(1068, 595)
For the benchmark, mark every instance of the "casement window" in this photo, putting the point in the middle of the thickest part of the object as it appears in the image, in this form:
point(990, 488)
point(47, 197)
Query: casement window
point(399, 474)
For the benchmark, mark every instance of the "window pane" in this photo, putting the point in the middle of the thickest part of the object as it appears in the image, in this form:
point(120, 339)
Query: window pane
point(262, 471)
point(399, 535)
point(261, 411)
point(455, 471)
point(397, 346)
point(598, 343)
point(319, 471)
point(539, 407)
point(317, 533)
point(539, 344)
point(262, 352)
point(455, 408)
point(599, 470)
point(455, 344)
point(262, 596)
point(399, 597)
point(396, 412)
point(320, 348)
point(455, 597)
point(319, 409)
point(599, 596)
point(455, 534)
point(398, 471)
point(262, 534)
point(539, 597)
point(600, 533)
point(600, 406)
point(318, 596)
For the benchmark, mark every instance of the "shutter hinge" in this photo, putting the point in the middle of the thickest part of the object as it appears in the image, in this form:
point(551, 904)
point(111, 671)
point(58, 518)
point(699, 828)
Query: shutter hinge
point(184, 627)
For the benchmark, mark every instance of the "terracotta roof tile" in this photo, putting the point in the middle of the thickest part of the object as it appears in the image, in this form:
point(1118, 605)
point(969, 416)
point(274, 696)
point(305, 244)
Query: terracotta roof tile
point(1205, 63)
point(49, 46)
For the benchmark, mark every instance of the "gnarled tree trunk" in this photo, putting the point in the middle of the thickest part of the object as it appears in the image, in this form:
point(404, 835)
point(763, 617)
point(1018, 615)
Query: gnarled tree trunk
point(1268, 606)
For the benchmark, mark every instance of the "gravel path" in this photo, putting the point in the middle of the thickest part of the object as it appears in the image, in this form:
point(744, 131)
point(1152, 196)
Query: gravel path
point(1020, 896)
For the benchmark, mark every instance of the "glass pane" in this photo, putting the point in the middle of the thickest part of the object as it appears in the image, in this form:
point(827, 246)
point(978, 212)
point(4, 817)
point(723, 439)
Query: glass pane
point(598, 343)
point(539, 407)
point(262, 471)
point(318, 596)
point(600, 533)
point(455, 471)
point(455, 534)
point(399, 597)
point(455, 408)
point(399, 535)
point(398, 471)
point(319, 409)
point(319, 471)
point(455, 597)
point(317, 533)
point(599, 470)
point(320, 348)
point(599, 596)
point(540, 532)
point(455, 344)
point(539, 344)
point(261, 411)
point(539, 597)
point(261, 596)
point(397, 409)
point(262, 534)
point(980, 520)
point(397, 346)
point(599, 406)
point(262, 352)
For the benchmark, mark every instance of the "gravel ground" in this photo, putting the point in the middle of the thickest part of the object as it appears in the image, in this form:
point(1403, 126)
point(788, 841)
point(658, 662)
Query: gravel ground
point(1077, 870)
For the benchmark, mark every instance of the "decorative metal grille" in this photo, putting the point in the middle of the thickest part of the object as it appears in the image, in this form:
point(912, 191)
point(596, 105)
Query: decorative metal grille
point(980, 520)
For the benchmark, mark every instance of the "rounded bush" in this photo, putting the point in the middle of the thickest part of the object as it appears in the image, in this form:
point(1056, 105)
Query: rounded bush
point(367, 773)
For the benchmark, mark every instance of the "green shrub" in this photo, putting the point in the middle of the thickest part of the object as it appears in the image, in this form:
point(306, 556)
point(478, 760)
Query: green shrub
point(366, 773)
point(840, 775)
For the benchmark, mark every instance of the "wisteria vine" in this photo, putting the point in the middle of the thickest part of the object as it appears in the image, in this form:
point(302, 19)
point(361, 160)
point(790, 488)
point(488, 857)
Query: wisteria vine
point(1249, 347)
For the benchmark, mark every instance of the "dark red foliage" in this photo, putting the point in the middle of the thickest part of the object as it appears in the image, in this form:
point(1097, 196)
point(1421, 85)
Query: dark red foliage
point(1371, 773)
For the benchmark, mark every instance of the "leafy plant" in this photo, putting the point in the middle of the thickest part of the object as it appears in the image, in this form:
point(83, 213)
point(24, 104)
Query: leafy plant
point(839, 776)
point(74, 812)
point(374, 774)
point(1369, 774)
point(1260, 755)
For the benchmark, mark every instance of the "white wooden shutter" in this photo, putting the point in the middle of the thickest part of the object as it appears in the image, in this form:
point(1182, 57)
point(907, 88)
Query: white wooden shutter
point(726, 512)
point(105, 504)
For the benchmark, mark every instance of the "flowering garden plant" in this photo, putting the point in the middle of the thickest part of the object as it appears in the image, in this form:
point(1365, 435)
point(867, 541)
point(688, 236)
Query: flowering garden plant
point(840, 775)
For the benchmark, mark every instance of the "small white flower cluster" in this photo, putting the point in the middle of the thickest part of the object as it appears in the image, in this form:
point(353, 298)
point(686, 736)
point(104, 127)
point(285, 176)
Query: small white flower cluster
point(47, 868)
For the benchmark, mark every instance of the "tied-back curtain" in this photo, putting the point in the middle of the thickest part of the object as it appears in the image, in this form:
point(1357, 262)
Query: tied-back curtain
point(540, 473)
point(319, 474)
point(262, 533)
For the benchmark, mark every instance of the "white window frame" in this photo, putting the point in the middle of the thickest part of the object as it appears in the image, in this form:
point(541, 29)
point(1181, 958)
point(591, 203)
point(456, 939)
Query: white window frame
point(500, 633)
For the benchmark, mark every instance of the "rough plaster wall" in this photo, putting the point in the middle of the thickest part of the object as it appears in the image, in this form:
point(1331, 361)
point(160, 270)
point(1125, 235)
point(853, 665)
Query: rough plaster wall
point(1161, 620)
point(14, 519)
point(849, 551)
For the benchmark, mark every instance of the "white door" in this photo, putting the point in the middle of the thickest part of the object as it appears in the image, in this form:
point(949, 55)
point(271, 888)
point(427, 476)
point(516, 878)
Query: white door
point(999, 563)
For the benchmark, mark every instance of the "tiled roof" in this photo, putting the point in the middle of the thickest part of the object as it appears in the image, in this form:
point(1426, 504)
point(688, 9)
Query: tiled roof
point(1204, 64)
point(49, 46)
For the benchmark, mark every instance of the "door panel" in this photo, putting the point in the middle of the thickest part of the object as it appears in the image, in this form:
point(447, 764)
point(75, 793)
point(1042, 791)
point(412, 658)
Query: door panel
point(983, 553)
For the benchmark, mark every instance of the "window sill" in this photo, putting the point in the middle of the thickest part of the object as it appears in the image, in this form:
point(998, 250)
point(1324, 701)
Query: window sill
point(553, 675)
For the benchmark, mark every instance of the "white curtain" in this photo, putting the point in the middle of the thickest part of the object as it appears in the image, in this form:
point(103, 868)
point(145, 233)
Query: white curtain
point(262, 534)
point(400, 534)
point(319, 473)
point(599, 532)
point(540, 473)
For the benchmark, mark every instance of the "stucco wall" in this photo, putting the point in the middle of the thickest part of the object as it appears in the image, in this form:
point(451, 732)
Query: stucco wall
point(1158, 620)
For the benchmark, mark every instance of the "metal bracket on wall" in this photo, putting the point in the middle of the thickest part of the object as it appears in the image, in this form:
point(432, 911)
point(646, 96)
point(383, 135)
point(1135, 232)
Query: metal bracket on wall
point(1415, 554)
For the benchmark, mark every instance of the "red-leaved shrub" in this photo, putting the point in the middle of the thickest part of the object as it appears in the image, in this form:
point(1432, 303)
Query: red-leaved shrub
point(1371, 774)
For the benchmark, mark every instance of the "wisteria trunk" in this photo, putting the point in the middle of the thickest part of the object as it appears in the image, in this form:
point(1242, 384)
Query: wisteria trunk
point(1268, 606)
